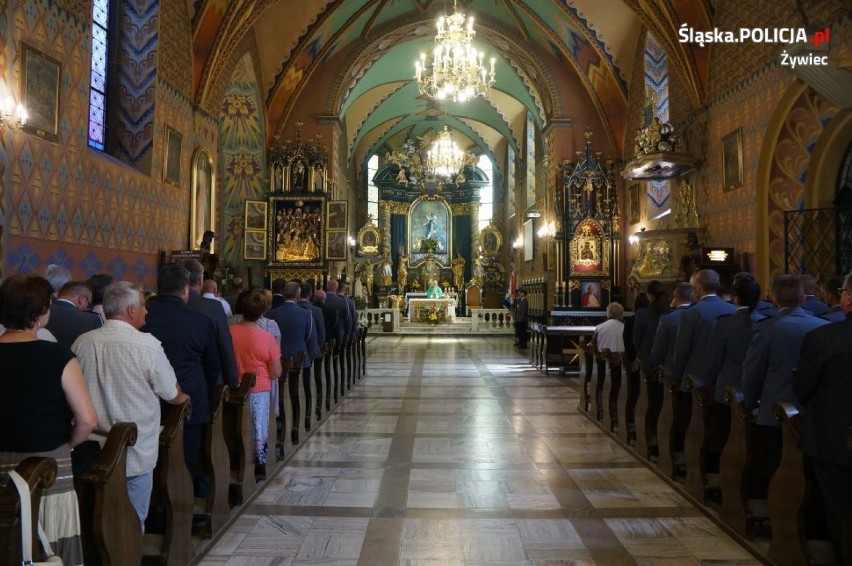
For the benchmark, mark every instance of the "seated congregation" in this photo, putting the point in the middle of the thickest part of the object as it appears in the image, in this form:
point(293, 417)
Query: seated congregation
point(744, 405)
point(140, 429)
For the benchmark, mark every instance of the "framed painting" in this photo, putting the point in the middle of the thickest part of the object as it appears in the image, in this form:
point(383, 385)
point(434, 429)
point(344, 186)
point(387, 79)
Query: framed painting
point(336, 244)
point(529, 240)
point(590, 295)
point(256, 215)
point(633, 194)
point(171, 157)
point(492, 240)
point(336, 215)
point(255, 245)
point(40, 79)
point(368, 239)
point(296, 235)
point(429, 230)
point(732, 160)
point(202, 205)
point(588, 250)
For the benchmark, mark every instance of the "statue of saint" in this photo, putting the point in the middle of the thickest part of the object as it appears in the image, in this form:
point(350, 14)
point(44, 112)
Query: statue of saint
point(402, 273)
point(387, 268)
point(458, 272)
point(478, 270)
point(430, 270)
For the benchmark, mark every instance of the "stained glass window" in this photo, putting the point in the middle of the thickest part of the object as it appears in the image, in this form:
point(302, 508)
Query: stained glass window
point(373, 190)
point(97, 90)
point(530, 143)
point(486, 193)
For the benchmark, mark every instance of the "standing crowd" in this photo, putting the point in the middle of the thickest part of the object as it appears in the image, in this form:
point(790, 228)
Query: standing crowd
point(80, 356)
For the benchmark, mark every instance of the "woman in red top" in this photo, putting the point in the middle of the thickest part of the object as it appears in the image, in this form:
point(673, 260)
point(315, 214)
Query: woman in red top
point(259, 353)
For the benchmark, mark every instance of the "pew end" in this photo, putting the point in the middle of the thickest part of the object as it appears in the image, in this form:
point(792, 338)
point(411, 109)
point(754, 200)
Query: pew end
point(39, 473)
point(214, 508)
point(239, 438)
point(110, 529)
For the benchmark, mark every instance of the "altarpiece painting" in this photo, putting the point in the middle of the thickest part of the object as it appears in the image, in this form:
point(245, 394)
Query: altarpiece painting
point(429, 230)
point(297, 237)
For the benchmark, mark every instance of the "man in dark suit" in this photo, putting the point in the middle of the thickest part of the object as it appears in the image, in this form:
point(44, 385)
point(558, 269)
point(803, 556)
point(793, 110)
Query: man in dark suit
point(822, 383)
point(68, 313)
point(812, 302)
point(833, 300)
point(318, 339)
point(213, 309)
point(344, 322)
point(277, 293)
point(662, 350)
point(297, 334)
point(189, 339)
point(329, 315)
point(772, 356)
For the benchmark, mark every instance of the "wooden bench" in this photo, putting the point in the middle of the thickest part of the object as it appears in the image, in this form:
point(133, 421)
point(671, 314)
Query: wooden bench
point(615, 362)
point(647, 411)
point(274, 442)
point(294, 379)
point(697, 441)
point(665, 423)
point(168, 529)
point(363, 343)
point(743, 498)
point(318, 367)
point(330, 375)
point(631, 399)
point(39, 473)
point(109, 525)
point(588, 364)
point(215, 465)
point(239, 437)
point(792, 492)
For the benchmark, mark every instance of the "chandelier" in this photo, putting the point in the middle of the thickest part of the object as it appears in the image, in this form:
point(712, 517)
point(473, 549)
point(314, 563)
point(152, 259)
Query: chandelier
point(457, 71)
point(12, 116)
point(444, 158)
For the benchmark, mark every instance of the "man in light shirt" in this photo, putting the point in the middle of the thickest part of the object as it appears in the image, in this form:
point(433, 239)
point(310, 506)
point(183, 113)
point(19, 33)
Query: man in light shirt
point(209, 290)
point(127, 373)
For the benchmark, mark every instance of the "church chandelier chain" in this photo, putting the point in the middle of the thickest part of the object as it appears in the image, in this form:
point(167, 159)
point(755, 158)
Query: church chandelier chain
point(457, 71)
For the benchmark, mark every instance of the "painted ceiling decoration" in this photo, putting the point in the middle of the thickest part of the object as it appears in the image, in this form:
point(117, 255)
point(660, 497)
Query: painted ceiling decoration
point(542, 48)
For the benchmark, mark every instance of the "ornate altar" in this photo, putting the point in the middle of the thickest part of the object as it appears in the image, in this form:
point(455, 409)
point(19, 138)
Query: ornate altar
point(587, 206)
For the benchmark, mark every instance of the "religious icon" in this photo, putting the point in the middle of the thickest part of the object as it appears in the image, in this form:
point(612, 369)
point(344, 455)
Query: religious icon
point(591, 297)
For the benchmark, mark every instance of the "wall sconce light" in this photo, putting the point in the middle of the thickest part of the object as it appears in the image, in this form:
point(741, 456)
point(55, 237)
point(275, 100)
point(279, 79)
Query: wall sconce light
point(352, 242)
point(533, 214)
point(518, 243)
point(548, 231)
point(12, 116)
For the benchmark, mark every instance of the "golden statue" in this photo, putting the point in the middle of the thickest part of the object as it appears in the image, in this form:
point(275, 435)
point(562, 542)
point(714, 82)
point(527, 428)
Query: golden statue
point(402, 274)
point(387, 268)
point(458, 272)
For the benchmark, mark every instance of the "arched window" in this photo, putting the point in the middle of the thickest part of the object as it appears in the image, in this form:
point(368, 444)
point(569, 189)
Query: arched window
point(372, 189)
point(486, 193)
point(530, 159)
point(510, 182)
point(98, 80)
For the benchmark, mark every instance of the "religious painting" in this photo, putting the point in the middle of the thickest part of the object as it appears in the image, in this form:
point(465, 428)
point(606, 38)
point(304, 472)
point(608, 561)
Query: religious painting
point(171, 158)
point(633, 192)
point(589, 253)
point(40, 78)
point(297, 234)
point(529, 240)
point(336, 244)
point(732, 160)
point(336, 217)
point(255, 245)
point(491, 240)
point(429, 230)
point(368, 239)
point(590, 296)
point(202, 206)
point(255, 215)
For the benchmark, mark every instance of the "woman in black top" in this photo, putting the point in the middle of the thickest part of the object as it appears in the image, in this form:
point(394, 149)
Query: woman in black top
point(45, 409)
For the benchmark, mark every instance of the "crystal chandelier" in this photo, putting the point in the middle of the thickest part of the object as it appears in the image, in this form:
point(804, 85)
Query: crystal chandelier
point(444, 158)
point(457, 71)
point(12, 116)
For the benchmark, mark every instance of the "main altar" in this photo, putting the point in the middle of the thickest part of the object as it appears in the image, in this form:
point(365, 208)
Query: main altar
point(432, 311)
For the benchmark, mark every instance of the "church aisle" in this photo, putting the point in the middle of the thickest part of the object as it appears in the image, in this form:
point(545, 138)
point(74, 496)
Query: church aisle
point(455, 451)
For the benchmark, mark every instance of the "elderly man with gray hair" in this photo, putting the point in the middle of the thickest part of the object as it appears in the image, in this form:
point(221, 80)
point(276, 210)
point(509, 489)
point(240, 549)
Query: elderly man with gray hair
point(127, 373)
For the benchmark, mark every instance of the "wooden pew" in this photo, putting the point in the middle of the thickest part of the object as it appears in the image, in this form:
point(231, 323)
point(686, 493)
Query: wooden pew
point(109, 525)
point(294, 379)
point(632, 376)
point(274, 442)
point(588, 364)
point(363, 343)
point(39, 473)
point(600, 363)
point(791, 492)
point(665, 423)
point(697, 440)
point(318, 368)
point(614, 361)
point(215, 465)
point(647, 411)
point(330, 374)
point(340, 370)
point(542, 346)
point(741, 506)
point(239, 437)
point(533, 342)
point(171, 498)
point(347, 358)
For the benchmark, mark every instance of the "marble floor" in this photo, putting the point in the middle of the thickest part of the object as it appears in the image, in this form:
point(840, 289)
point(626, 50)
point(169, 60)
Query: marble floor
point(455, 451)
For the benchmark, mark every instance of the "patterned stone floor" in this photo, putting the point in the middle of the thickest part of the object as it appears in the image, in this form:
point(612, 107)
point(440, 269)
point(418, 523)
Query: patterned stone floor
point(455, 451)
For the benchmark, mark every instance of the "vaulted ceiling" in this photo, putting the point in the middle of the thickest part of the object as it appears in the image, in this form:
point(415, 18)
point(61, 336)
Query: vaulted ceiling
point(544, 49)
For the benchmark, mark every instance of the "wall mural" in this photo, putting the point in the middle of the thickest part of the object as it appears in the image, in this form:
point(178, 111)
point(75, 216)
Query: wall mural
point(243, 162)
point(63, 205)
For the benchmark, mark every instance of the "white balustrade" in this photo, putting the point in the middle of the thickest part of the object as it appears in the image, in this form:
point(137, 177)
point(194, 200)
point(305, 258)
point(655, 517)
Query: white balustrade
point(499, 320)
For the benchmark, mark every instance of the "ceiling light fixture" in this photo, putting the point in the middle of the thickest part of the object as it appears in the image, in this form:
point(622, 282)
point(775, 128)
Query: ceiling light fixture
point(457, 71)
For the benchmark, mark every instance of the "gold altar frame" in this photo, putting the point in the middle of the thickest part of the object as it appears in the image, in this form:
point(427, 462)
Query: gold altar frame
point(284, 203)
point(368, 239)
